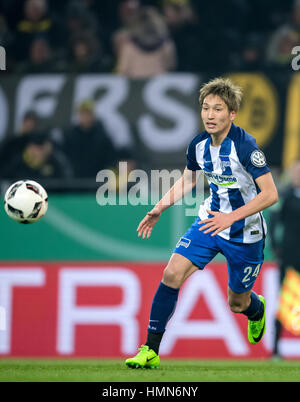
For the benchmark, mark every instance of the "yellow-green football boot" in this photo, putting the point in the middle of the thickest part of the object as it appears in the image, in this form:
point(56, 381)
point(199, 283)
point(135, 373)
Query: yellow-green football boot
point(146, 358)
point(256, 329)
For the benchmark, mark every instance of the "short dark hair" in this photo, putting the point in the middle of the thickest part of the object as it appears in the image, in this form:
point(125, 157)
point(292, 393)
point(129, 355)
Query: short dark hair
point(225, 89)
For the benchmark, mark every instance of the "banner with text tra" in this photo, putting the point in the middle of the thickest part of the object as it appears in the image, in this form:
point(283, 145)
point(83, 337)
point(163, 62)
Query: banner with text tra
point(102, 309)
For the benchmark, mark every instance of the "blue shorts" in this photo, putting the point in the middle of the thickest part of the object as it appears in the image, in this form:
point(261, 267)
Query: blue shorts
point(244, 260)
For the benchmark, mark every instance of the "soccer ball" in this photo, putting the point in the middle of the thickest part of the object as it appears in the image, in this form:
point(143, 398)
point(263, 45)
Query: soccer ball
point(26, 201)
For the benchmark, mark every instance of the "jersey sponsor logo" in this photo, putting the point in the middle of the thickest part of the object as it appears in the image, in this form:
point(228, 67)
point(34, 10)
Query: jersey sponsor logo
point(221, 179)
point(258, 158)
point(183, 242)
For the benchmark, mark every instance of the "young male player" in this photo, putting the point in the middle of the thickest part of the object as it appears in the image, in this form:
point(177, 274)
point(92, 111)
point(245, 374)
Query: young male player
point(229, 222)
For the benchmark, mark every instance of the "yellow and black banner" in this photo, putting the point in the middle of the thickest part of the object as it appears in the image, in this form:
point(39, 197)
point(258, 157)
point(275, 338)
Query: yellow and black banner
point(289, 302)
point(157, 117)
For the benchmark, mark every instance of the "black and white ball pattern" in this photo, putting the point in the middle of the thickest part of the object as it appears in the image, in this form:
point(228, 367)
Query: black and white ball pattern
point(26, 201)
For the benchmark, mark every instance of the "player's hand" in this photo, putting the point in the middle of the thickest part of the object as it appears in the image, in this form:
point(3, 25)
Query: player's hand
point(217, 223)
point(146, 225)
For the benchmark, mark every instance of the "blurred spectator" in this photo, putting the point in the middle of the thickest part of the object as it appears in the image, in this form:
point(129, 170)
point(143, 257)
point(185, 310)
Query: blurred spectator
point(282, 41)
point(87, 145)
point(177, 12)
point(37, 21)
point(79, 20)
point(251, 55)
point(148, 50)
point(88, 56)
point(15, 144)
point(40, 58)
point(37, 161)
point(128, 13)
point(285, 233)
point(185, 29)
point(29, 124)
point(279, 54)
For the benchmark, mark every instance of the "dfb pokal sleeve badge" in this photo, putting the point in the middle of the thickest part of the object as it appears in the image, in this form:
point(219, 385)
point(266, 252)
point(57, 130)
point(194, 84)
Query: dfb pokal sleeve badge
point(258, 158)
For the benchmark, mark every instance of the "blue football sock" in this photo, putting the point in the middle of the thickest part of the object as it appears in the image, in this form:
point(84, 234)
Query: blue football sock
point(255, 311)
point(163, 307)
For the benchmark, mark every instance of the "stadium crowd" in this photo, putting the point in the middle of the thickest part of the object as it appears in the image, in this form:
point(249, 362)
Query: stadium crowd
point(160, 35)
point(135, 38)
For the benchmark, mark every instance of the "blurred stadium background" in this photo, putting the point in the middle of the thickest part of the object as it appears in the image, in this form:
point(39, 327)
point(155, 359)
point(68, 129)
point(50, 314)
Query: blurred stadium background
point(88, 84)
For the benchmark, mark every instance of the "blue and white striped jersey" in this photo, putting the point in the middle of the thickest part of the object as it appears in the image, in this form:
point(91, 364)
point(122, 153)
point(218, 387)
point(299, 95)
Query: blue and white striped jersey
point(231, 170)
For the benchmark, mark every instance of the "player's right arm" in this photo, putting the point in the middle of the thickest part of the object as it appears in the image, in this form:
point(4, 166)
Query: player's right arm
point(182, 186)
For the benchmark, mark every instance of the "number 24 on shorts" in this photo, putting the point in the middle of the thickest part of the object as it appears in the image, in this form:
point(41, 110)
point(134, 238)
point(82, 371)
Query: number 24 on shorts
point(248, 272)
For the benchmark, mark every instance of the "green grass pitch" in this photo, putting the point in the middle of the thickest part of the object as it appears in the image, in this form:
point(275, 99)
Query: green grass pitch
point(23, 370)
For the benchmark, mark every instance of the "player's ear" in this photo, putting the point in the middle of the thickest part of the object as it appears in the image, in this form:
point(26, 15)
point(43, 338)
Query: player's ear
point(232, 115)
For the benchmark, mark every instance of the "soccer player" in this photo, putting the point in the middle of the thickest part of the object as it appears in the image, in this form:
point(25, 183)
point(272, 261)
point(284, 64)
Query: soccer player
point(229, 222)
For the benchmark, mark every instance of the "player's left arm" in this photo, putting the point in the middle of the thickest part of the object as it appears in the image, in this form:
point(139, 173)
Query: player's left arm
point(268, 196)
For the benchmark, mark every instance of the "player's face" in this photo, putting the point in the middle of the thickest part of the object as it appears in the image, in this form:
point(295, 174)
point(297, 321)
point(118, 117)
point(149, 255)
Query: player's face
point(216, 116)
